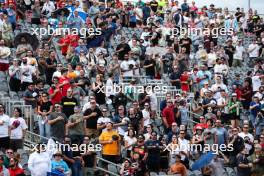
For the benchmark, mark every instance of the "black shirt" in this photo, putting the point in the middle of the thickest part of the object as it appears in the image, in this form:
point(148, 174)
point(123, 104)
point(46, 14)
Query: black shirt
point(150, 71)
point(126, 49)
point(91, 123)
point(45, 106)
point(68, 105)
point(228, 52)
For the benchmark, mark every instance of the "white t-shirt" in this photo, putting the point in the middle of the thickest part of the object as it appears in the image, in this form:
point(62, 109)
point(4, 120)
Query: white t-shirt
point(130, 141)
point(26, 73)
point(146, 117)
point(255, 50)
point(17, 133)
point(103, 120)
point(239, 53)
point(211, 59)
point(256, 83)
point(4, 128)
point(125, 67)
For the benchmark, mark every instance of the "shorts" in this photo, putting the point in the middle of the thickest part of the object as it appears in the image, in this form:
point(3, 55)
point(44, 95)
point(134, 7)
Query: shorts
point(234, 117)
point(4, 143)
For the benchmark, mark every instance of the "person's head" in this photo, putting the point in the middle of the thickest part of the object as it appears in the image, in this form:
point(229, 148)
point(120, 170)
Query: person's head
point(13, 162)
point(146, 106)
point(55, 80)
point(131, 112)
point(57, 107)
point(169, 103)
point(174, 126)
point(141, 138)
point(131, 133)
point(67, 140)
point(126, 56)
point(98, 78)
point(256, 99)
point(77, 109)
point(218, 79)
point(154, 135)
point(44, 97)
point(235, 131)
point(199, 130)
point(109, 126)
point(9, 153)
point(182, 134)
point(209, 122)
point(104, 112)
point(31, 87)
point(174, 139)
point(121, 109)
point(69, 92)
point(86, 140)
point(168, 96)
point(202, 119)
point(2, 109)
point(93, 103)
point(24, 60)
point(17, 112)
point(127, 163)
point(218, 123)
point(58, 156)
point(245, 128)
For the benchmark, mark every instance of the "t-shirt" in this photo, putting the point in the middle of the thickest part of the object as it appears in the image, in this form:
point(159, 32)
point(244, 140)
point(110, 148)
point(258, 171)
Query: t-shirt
point(113, 148)
point(57, 129)
point(77, 129)
point(254, 48)
point(154, 6)
point(17, 133)
point(150, 71)
point(57, 97)
point(68, 105)
point(256, 83)
point(45, 106)
point(4, 128)
point(91, 123)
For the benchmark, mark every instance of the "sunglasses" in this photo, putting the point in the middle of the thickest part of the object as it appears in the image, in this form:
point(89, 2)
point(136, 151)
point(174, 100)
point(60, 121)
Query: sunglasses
point(57, 106)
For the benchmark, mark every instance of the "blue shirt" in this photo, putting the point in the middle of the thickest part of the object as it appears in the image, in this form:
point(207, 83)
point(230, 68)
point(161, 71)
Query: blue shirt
point(59, 165)
point(254, 111)
point(11, 15)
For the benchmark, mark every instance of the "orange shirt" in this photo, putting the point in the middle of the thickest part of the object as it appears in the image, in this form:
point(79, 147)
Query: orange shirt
point(110, 149)
point(178, 168)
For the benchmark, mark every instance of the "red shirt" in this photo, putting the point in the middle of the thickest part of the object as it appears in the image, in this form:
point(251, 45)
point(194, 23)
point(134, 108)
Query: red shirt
point(57, 98)
point(168, 113)
point(16, 171)
point(64, 48)
point(66, 86)
point(73, 40)
point(184, 85)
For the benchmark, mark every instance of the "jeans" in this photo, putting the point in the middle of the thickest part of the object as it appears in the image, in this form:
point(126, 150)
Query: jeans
point(77, 168)
point(44, 129)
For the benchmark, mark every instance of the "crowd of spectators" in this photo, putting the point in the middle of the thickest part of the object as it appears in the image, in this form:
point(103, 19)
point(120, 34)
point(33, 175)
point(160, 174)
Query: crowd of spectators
point(70, 80)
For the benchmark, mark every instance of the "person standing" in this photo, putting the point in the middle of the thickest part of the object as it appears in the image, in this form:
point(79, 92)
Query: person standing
point(68, 103)
point(110, 140)
point(39, 162)
point(4, 127)
point(45, 107)
point(18, 129)
point(57, 121)
point(75, 126)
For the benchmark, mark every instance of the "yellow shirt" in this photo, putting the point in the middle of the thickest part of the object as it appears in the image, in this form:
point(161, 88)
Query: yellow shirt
point(110, 149)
